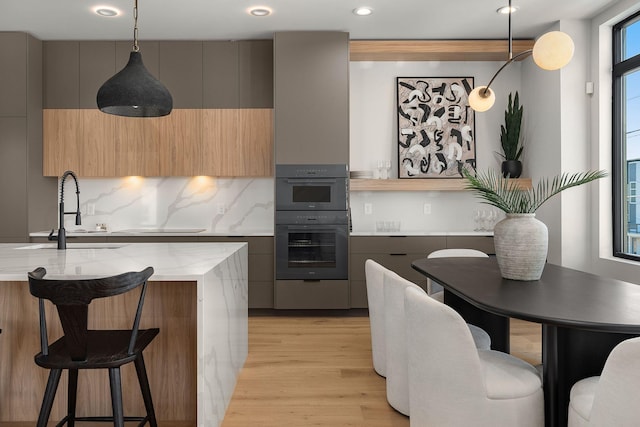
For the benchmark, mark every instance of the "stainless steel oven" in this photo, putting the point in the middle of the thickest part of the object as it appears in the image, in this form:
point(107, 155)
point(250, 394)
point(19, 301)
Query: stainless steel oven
point(311, 245)
point(312, 187)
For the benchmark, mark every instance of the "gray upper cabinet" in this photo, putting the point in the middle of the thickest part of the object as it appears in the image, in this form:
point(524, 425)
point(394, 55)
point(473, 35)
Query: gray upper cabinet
point(149, 51)
point(238, 74)
point(255, 59)
point(220, 69)
point(199, 74)
point(311, 97)
point(28, 198)
point(13, 75)
point(97, 65)
point(61, 74)
point(181, 72)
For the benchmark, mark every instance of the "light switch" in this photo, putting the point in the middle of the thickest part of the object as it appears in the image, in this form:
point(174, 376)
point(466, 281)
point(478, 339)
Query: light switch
point(368, 208)
point(426, 209)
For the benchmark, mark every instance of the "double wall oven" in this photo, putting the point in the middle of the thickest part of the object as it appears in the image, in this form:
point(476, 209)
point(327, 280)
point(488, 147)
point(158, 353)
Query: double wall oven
point(311, 228)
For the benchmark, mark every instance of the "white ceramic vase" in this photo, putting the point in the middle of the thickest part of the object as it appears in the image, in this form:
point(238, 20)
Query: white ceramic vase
point(521, 243)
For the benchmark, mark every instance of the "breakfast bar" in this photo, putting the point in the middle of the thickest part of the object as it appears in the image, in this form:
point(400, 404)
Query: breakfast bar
point(197, 297)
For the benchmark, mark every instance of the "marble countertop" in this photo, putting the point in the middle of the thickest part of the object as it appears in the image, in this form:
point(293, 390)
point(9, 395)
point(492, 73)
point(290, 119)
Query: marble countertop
point(249, 233)
point(154, 232)
point(171, 261)
point(422, 233)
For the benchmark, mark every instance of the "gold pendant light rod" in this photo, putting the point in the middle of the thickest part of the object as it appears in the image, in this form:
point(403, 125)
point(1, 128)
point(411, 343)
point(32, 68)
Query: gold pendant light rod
point(552, 51)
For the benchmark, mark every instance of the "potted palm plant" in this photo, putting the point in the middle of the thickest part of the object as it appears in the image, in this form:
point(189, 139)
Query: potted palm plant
point(521, 241)
point(510, 138)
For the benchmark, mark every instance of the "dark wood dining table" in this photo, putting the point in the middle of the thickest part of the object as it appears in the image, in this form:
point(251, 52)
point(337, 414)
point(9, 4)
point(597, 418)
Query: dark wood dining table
point(583, 316)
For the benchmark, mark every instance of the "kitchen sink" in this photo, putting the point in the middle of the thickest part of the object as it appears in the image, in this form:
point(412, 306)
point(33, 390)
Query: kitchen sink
point(73, 246)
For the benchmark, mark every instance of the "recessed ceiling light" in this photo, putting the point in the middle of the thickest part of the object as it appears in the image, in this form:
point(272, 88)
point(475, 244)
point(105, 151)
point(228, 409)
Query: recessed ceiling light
point(260, 11)
point(363, 11)
point(505, 10)
point(106, 11)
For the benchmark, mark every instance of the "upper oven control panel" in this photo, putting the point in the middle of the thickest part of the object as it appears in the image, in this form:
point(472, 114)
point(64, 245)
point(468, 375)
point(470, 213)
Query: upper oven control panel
point(312, 171)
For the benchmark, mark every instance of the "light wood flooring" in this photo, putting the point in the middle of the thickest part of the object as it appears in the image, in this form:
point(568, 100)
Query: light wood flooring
point(317, 371)
point(307, 371)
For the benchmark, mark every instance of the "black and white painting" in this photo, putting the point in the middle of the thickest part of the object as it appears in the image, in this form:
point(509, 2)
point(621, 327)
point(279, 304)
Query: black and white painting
point(436, 127)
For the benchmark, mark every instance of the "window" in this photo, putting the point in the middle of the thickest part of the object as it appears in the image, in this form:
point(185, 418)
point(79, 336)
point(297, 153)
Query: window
point(626, 137)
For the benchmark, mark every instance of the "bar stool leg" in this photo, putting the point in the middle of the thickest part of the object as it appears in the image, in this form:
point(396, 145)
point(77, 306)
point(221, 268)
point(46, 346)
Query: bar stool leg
point(49, 395)
point(72, 395)
point(116, 397)
point(144, 388)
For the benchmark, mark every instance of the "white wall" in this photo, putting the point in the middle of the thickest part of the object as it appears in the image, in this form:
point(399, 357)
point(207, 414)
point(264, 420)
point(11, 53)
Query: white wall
point(601, 259)
point(373, 137)
point(542, 124)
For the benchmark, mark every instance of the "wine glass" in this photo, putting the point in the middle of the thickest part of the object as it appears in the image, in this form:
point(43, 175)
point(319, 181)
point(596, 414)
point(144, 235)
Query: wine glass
point(381, 169)
point(477, 220)
point(387, 167)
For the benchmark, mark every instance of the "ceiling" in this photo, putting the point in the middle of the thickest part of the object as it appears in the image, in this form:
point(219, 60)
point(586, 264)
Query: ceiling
point(229, 20)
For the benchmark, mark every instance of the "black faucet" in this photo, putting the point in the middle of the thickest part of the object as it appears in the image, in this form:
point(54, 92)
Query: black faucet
point(62, 236)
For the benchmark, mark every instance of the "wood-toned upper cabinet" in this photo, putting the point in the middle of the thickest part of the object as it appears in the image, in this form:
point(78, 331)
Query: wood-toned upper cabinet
point(237, 142)
point(61, 149)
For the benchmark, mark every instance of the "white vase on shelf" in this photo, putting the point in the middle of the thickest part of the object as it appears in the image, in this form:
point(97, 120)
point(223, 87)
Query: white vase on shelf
point(521, 243)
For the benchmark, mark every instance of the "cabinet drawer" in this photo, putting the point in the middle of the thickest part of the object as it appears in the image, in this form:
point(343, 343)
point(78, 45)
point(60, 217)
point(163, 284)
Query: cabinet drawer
point(317, 294)
point(397, 244)
point(481, 243)
point(400, 264)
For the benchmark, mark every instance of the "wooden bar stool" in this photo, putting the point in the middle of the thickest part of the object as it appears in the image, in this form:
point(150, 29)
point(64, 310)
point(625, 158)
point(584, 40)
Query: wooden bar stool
point(81, 348)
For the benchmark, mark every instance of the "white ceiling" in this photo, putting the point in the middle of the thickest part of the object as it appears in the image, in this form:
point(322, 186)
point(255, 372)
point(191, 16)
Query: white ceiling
point(228, 19)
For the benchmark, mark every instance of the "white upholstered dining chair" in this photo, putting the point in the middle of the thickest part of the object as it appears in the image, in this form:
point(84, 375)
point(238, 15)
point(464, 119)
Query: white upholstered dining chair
point(610, 399)
point(462, 386)
point(434, 289)
point(374, 274)
point(396, 339)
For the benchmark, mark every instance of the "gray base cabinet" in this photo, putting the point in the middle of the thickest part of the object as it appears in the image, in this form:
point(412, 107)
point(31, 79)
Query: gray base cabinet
point(397, 252)
point(312, 294)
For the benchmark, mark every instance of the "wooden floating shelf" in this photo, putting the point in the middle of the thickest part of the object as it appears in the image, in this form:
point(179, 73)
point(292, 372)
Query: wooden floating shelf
point(452, 184)
point(435, 50)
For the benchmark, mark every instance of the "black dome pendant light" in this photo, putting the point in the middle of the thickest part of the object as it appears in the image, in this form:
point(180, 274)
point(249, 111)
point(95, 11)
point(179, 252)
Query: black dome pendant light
point(133, 91)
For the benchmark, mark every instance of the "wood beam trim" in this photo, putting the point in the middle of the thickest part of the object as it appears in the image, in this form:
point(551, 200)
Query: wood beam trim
point(434, 50)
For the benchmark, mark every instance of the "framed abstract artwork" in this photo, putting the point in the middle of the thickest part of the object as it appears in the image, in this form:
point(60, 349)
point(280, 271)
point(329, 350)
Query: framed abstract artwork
point(436, 127)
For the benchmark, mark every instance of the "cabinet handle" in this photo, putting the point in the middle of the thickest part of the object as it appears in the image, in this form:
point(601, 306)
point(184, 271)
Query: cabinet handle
point(398, 254)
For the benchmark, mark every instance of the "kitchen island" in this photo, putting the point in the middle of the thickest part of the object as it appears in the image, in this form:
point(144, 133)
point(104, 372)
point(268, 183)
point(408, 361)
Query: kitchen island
point(197, 296)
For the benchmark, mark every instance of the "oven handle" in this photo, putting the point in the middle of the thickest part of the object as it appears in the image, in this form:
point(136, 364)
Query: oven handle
point(309, 181)
point(311, 227)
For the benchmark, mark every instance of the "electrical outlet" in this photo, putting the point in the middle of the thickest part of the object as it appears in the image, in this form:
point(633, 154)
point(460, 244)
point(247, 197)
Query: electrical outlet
point(91, 209)
point(368, 208)
point(221, 208)
point(426, 209)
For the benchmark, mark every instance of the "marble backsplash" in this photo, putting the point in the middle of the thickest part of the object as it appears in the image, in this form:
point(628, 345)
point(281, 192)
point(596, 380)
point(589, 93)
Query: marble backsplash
point(245, 206)
point(225, 205)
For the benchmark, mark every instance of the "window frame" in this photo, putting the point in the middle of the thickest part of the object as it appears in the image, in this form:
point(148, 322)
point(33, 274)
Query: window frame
point(620, 68)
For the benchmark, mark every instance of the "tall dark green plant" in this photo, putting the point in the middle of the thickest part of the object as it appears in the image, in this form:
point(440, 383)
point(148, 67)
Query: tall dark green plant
point(506, 194)
point(510, 131)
